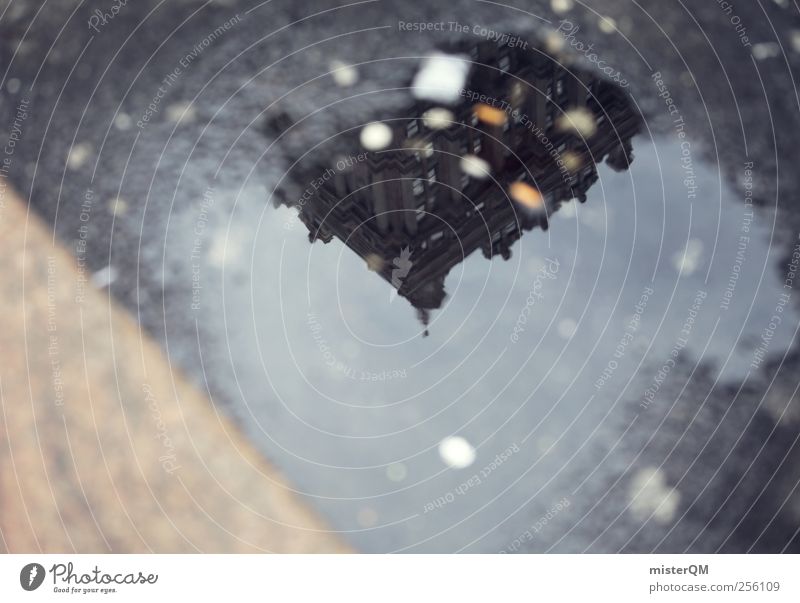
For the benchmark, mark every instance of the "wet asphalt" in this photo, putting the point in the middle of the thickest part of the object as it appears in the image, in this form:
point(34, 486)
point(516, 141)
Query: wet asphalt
point(680, 439)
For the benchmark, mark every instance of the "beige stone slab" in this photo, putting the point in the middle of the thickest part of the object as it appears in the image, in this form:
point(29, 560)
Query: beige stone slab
point(104, 446)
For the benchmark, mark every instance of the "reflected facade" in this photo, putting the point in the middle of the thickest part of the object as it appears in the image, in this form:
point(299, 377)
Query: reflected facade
point(413, 210)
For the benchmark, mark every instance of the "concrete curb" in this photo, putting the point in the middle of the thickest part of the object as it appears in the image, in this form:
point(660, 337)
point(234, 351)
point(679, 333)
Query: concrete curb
point(106, 448)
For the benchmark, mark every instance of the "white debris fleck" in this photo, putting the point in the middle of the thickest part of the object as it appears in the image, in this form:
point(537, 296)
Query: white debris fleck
point(475, 167)
point(687, 79)
point(593, 216)
point(376, 136)
point(580, 120)
point(424, 148)
point(78, 155)
point(441, 78)
point(553, 42)
point(396, 472)
point(766, 50)
point(123, 121)
point(561, 6)
point(625, 24)
point(13, 85)
point(343, 74)
point(607, 25)
point(367, 517)
point(518, 93)
point(438, 118)
point(641, 343)
point(118, 206)
point(567, 328)
point(534, 266)
point(650, 494)
point(569, 209)
point(456, 452)
point(688, 260)
point(796, 40)
point(782, 406)
point(545, 444)
point(225, 249)
point(181, 112)
point(104, 277)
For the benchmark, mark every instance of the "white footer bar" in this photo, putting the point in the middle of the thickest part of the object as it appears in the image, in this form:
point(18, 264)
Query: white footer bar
point(401, 578)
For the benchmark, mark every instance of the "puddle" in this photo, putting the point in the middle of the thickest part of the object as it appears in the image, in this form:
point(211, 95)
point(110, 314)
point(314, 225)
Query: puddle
point(538, 308)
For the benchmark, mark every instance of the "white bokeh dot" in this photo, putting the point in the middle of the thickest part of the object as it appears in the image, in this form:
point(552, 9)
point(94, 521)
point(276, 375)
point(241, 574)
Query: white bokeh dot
point(456, 452)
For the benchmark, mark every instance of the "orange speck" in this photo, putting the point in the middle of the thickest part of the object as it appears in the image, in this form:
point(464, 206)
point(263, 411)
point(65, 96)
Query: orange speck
point(527, 196)
point(490, 115)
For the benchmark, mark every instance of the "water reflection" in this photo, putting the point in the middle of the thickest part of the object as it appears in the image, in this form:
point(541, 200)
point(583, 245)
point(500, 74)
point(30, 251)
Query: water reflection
point(522, 135)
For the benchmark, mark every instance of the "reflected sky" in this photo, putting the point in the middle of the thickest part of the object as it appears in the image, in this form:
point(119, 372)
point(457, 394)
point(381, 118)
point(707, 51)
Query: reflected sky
point(542, 351)
point(391, 396)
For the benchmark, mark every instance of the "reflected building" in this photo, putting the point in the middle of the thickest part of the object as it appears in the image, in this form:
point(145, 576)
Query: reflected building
point(413, 212)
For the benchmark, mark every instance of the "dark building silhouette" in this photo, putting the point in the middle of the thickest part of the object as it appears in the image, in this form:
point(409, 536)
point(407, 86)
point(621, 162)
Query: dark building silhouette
point(411, 211)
